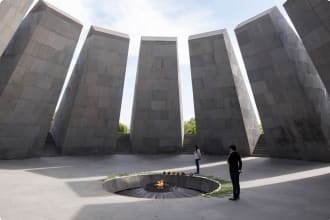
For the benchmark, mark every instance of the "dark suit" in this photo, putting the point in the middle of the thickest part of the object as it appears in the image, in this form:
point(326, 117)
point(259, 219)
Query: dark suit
point(235, 166)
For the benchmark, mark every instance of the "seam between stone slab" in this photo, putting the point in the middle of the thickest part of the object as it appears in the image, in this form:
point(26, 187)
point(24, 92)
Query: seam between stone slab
point(318, 16)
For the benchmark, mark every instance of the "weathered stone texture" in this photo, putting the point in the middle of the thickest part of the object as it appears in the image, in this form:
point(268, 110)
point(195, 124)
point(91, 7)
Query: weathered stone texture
point(11, 15)
point(88, 117)
point(292, 101)
point(223, 110)
point(33, 69)
point(311, 19)
point(156, 125)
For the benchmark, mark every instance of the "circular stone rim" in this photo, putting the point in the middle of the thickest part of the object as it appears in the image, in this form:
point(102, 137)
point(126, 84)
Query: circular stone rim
point(198, 183)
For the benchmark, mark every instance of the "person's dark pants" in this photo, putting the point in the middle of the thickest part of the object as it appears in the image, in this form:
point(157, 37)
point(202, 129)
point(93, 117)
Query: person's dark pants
point(235, 181)
point(197, 165)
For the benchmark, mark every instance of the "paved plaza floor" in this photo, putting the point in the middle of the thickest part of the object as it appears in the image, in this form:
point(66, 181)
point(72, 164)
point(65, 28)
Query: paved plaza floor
point(71, 188)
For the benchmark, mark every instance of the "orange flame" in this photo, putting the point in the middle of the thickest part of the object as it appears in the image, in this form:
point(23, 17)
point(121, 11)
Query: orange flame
point(160, 184)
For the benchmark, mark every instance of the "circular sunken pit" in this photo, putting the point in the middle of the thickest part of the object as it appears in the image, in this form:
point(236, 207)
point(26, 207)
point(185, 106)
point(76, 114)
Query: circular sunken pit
point(160, 186)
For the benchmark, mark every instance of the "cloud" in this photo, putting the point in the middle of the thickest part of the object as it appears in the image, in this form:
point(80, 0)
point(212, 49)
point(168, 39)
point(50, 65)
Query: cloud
point(155, 18)
point(145, 18)
point(75, 8)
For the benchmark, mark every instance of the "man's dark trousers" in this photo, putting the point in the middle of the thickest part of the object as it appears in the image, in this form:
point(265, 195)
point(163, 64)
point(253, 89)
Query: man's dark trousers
point(235, 181)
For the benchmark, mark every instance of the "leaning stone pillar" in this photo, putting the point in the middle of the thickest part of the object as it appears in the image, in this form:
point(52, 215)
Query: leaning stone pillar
point(156, 125)
point(312, 21)
point(33, 69)
point(223, 109)
point(88, 116)
point(291, 98)
point(11, 15)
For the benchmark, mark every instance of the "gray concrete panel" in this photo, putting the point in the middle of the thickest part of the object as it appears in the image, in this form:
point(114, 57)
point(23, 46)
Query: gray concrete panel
point(291, 98)
point(11, 15)
point(33, 69)
point(312, 21)
point(88, 117)
point(223, 110)
point(156, 125)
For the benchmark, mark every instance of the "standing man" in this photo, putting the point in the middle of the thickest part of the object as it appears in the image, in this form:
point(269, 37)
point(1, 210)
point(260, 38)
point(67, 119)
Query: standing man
point(235, 167)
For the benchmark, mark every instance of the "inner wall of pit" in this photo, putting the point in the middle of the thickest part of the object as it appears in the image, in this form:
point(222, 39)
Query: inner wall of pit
point(130, 182)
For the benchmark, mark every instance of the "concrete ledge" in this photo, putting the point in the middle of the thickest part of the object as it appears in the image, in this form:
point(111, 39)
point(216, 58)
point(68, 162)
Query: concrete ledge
point(130, 182)
point(207, 34)
point(148, 38)
point(42, 5)
point(256, 17)
point(100, 30)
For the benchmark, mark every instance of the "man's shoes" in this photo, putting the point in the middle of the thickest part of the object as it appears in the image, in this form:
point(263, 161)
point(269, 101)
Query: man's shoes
point(232, 199)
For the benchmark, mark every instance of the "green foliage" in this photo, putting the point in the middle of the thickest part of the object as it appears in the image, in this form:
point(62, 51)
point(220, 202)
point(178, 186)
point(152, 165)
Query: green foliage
point(190, 126)
point(261, 129)
point(225, 190)
point(123, 129)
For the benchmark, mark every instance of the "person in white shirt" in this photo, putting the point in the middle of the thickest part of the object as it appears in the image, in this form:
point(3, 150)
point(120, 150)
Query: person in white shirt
point(197, 157)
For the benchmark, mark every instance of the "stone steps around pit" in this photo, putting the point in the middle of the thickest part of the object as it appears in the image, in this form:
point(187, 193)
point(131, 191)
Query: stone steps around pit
point(124, 145)
point(261, 149)
point(50, 148)
point(189, 142)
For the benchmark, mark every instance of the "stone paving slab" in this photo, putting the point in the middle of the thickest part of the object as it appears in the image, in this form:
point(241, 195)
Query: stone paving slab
point(71, 188)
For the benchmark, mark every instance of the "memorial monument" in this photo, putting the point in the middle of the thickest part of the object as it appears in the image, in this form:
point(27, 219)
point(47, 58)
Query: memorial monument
point(156, 125)
point(88, 116)
point(33, 69)
point(223, 109)
point(11, 15)
point(291, 98)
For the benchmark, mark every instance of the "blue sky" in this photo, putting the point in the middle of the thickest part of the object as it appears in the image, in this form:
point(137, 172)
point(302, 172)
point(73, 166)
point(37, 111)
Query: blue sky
point(163, 18)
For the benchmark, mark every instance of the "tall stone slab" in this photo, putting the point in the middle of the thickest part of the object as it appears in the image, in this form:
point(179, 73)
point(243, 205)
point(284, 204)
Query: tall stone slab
point(311, 19)
point(33, 69)
point(156, 125)
point(88, 116)
point(223, 110)
point(291, 98)
point(11, 15)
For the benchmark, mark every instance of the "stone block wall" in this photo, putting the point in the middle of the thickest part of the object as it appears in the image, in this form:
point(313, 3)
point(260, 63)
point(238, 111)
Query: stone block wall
point(312, 21)
point(292, 100)
point(156, 125)
point(11, 15)
point(33, 69)
point(223, 109)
